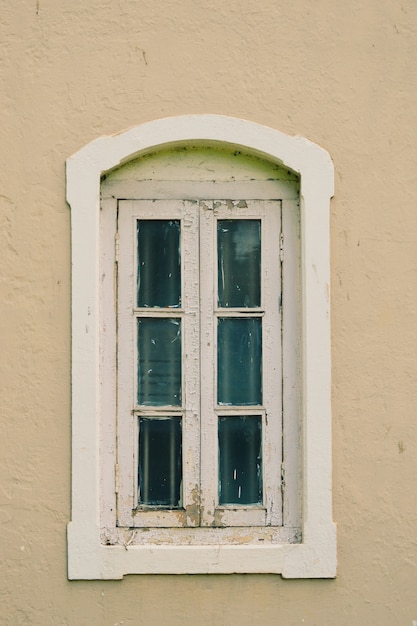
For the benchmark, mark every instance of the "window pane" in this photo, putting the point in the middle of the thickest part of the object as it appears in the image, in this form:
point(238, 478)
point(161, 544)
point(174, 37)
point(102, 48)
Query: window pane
point(160, 461)
point(239, 263)
point(159, 361)
point(239, 365)
point(240, 460)
point(159, 263)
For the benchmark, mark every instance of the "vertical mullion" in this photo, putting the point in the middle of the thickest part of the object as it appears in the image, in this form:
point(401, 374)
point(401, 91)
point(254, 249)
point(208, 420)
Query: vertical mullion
point(191, 360)
point(126, 365)
point(272, 362)
point(291, 281)
point(108, 356)
point(208, 355)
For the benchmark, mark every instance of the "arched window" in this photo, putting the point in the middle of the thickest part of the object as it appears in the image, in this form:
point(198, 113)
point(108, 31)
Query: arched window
point(201, 407)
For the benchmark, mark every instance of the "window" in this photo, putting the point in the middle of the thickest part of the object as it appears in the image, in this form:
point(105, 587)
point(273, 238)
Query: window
point(199, 362)
point(200, 353)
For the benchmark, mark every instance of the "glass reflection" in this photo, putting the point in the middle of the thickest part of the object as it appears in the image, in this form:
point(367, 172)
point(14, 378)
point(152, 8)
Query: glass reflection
point(239, 263)
point(159, 361)
point(239, 361)
point(159, 263)
point(160, 462)
point(240, 460)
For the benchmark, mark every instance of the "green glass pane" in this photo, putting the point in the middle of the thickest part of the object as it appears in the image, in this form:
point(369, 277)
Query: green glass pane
point(159, 361)
point(159, 263)
point(239, 263)
point(239, 361)
point(160, 462)
point(240, 460)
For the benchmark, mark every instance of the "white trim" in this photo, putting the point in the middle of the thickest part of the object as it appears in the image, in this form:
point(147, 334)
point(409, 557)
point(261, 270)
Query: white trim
point(130, 211)
point(88, 558)
point(270, 513)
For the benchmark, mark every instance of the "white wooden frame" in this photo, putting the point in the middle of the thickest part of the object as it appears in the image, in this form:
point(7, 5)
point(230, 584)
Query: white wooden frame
point(270, 513)
point(88, 556)
point(231, 525)
point(127, 435)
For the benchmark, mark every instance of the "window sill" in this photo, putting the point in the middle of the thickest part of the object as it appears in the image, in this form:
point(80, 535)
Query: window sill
point(90, 559)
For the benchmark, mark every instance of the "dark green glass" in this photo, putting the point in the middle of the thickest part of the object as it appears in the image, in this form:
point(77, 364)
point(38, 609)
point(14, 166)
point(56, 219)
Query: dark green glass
point(159, 361)
point(159, 263)
point(240, 459)
point(239, 263)
point(160, 462)
point(239, 361)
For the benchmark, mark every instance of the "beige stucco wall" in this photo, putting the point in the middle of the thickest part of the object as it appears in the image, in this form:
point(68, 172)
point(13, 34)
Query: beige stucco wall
point(341, 74)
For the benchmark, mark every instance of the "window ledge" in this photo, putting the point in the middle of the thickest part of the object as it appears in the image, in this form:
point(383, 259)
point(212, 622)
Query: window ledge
point(90, 560)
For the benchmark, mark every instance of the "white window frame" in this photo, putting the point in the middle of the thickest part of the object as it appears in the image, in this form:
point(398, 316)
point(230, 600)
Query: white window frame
point(200, 412)
point(270, 513)
point(88, 556)
point(127, 435)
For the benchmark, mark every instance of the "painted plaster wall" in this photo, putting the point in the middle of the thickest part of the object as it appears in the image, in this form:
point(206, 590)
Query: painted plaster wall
point(340, 74)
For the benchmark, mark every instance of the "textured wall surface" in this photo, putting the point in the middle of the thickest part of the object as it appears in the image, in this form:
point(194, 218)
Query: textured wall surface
point(341, 74)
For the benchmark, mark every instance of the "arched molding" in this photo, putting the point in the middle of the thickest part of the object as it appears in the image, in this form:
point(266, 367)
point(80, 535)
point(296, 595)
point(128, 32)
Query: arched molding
point(316, 555)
